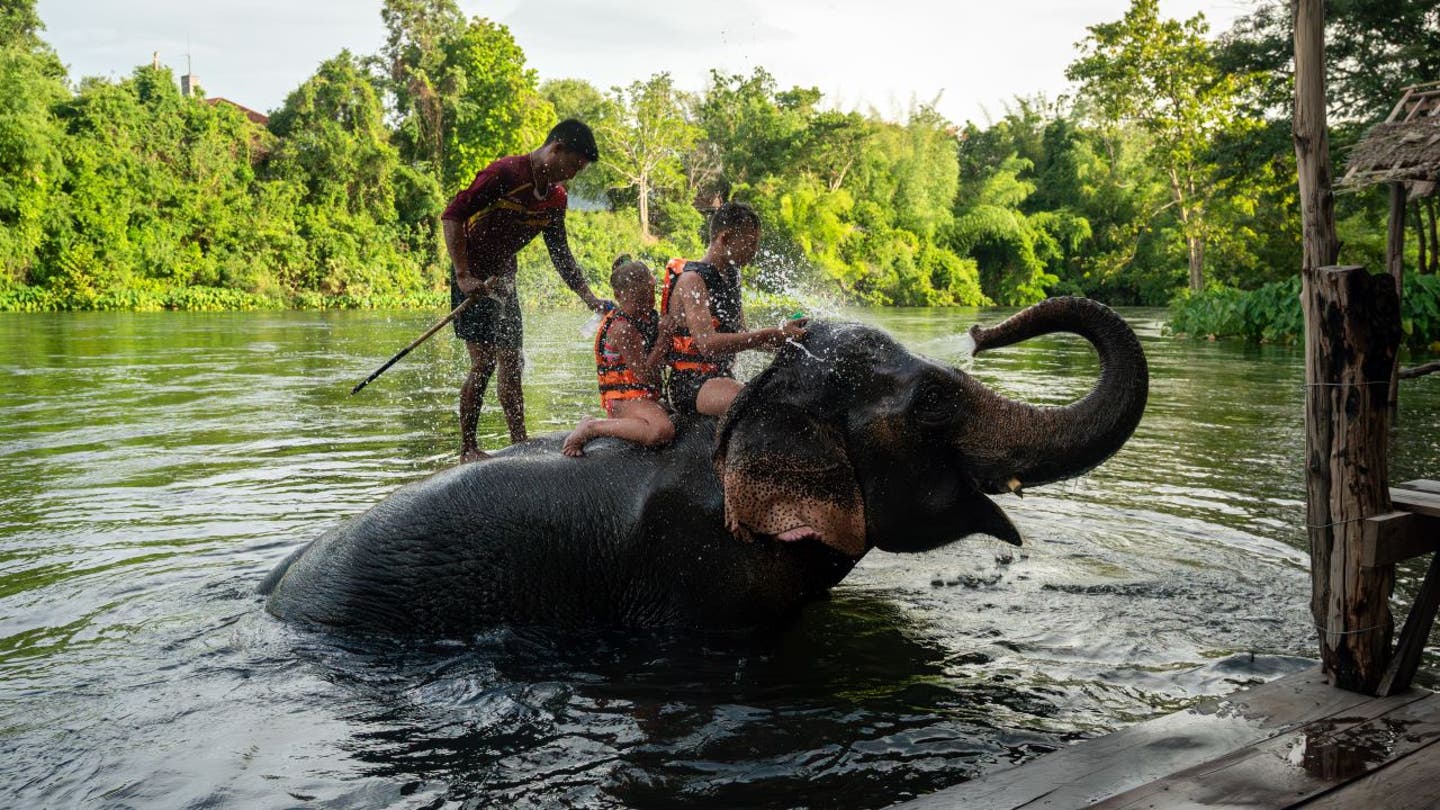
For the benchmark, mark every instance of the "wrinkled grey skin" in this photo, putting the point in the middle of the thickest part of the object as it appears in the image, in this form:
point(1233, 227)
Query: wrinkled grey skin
point(844, 444)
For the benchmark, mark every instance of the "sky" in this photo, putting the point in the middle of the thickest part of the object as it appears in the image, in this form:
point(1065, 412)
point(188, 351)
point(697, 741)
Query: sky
point(885, 55)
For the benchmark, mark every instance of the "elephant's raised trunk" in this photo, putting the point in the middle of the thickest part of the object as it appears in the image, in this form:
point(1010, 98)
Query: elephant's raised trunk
point(1012, 444)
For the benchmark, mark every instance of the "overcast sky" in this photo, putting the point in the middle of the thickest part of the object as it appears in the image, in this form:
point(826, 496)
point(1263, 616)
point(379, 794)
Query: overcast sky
point(976, 56)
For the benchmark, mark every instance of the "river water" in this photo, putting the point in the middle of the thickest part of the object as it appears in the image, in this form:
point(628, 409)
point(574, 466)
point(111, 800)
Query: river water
point(153, 467)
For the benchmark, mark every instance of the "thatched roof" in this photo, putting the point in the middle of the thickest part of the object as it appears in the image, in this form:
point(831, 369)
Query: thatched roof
point(1405, 148)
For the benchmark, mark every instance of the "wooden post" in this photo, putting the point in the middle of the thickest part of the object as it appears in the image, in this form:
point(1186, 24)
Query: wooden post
point(1395, 263)
point(1434, 239)
point(1352, 329)
point(1395, 237)
point(1312, 139)
point(1421, 262)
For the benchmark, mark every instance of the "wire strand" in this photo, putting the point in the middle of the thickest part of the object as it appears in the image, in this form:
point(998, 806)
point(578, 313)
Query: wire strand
point(1328, 631)
point(1342, 384)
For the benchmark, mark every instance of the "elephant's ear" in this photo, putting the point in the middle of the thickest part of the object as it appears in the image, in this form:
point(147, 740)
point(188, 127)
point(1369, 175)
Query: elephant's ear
point(787, 476)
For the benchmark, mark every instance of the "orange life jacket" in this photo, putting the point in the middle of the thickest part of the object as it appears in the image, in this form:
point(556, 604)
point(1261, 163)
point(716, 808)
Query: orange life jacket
point(617, 379)
point(684, 356)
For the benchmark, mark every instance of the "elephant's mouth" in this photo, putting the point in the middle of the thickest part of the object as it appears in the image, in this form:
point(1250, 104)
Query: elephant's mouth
point(786, 521)
point(798, 536)
point(799, 533)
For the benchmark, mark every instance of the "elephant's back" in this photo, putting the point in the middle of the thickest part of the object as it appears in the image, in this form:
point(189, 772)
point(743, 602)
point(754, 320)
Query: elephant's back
point(530, 536)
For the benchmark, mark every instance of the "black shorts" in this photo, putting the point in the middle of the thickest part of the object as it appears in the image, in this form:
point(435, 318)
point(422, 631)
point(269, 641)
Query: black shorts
point(490, 321)
point(684, 387)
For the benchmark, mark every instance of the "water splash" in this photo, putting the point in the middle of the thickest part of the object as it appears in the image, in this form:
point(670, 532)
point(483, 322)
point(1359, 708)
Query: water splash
point(792, 283)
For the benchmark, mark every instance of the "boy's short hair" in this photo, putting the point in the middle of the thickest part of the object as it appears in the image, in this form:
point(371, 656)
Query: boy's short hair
point(626, 271)
point(733, 215)
point(576, 137)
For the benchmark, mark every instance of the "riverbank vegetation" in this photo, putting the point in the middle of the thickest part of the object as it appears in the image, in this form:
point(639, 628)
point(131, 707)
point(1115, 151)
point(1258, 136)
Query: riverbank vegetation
point(1167, 178)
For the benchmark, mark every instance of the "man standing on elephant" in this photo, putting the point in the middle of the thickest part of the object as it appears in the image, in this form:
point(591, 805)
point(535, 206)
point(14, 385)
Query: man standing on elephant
point(704, 298)
point(509, 202)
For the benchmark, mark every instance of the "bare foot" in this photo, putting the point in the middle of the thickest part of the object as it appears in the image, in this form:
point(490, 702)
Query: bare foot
point(574, 445)
point(473, 454)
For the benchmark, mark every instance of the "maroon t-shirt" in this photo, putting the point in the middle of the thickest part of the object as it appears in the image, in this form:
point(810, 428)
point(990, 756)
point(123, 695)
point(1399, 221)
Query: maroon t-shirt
point(502, 214)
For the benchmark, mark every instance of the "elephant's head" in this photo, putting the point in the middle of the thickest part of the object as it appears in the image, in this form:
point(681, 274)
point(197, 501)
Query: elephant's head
point(851, 440)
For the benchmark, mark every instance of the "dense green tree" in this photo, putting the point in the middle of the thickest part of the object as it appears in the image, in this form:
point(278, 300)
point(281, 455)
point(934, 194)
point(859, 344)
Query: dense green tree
point(20, 28)
point(31, 160)
point(1011, 250)
point(1162, 76)
point(414, 58)
point(333, 145)
point(496, 108)
point(461, 89)
point(581, 100)
point(19, 24)
point(645, 140)
point(830, 146)
point(156, 192)
point(912, 171)
point(755, 128)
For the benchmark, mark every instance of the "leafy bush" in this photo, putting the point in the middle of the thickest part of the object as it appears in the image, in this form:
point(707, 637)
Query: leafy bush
point(1272, 313)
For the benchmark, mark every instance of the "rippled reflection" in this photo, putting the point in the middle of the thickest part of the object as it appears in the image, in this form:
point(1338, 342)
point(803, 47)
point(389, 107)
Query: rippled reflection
point(155, 466)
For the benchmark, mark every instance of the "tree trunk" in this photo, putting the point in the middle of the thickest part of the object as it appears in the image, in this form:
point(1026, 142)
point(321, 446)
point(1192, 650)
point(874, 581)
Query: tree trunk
point(1194, 246)
point(643, 186)
point(837, 180)
point(1197, 263)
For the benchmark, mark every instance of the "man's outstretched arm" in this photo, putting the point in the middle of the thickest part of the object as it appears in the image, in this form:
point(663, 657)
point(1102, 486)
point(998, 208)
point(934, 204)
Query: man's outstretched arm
point(557, 242)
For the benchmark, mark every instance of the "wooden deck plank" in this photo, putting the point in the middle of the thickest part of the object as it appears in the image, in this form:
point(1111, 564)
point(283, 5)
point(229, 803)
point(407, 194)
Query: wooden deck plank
point(1405, 785)
point(1095, 769)
point(1421, 484)
point(1415, 500)
point(1300, 765)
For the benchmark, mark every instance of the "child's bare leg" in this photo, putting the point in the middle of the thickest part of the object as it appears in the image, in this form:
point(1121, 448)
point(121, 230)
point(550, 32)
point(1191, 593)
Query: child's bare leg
point(716, 395)
point(657, 430)
point(642, 421)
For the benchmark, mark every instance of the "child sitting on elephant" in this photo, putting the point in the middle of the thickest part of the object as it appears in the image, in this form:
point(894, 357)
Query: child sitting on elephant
point(704, 299)
point(630, 349)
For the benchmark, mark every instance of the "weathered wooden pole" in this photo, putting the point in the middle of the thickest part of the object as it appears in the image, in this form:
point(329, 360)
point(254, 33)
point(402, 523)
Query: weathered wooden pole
point(1351, 330)
point(1312, 138)
point(1395, 263)
point(1421, 261)
point(1395, 237)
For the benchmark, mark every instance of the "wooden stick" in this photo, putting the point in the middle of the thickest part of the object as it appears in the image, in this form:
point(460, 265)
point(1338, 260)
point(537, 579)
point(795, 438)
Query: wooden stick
point(1420, 371)
point(454, 313)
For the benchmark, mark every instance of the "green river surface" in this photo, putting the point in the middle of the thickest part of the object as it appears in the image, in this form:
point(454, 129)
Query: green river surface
point(153, 467)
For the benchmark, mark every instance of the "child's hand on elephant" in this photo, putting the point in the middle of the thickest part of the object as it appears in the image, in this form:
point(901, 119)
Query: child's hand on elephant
point(793, 330)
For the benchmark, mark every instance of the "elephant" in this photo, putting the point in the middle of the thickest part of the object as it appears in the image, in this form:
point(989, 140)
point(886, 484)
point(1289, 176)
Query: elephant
point(845, 443)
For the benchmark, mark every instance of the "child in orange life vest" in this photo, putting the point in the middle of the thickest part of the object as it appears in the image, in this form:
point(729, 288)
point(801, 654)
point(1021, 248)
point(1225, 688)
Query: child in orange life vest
point(630, 352)
point(704, 299)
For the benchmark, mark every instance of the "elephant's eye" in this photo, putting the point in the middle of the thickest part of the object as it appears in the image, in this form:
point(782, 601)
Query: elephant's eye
point(934, 404)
